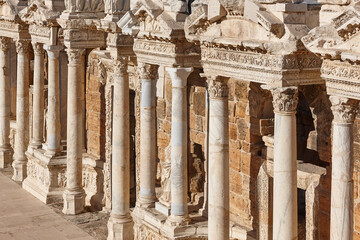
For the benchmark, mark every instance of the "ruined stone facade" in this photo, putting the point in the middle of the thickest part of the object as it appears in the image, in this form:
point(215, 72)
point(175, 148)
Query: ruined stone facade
point(205, 119)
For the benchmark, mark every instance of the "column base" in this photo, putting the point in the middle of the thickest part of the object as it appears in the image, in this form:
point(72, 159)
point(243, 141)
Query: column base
point(74, 202)
point(146, 202)
point(120, 229)
point(178, 220)
point(5, 158)
point(19, 170)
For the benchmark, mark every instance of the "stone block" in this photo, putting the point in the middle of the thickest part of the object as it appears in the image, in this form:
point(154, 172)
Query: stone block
point(74, 202)
point(118, 230)
point(19, 171)
point(162, 208)
point(215, 10)
point(5, 158)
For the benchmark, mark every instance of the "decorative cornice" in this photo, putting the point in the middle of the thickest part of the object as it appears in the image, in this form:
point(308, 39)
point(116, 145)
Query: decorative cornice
point(75, 55)
point(4, 44)
point(285, 100)
point(217, 87)
point(38, 48)
point(22, 46)
point(147, 71)
point(344, 109)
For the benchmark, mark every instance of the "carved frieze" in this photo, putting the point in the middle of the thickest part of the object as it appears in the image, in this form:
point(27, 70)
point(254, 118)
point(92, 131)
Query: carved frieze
point(285, 100)
point(344, 109)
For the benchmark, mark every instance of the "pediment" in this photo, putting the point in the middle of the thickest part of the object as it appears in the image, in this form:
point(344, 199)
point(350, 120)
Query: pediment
point(38, 13)
point(8, 11)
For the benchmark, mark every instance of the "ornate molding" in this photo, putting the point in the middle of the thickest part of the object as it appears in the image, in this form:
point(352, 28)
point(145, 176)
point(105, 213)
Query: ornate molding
point(22, 46)
point(344, 109)
point(75, 55)
point(285, 100)
point(147, 71)
point(38, 48)
point(4, 44)
point(217, 87)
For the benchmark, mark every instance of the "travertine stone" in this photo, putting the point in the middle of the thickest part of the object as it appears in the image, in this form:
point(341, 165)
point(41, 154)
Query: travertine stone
point(74, 195)
point(5, 148)
point(285, 165)
point(342, 184)
point(218, 213)
point(38, 97)
point(148, 75)
point(22, 110)
point(53, 114)
point(179, 136)
point(120, 222)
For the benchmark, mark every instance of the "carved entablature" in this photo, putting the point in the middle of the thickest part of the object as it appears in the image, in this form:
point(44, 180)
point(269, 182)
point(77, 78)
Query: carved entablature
point(37, 13)
point(344, 109)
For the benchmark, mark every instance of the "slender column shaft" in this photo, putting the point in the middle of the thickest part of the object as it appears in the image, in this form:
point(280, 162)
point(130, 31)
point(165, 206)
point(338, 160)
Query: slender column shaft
point(148, 74)
point(5, 149)
point(38, 96)
point(285, 164)
point(342, 184)
point(53, 118)
point(218, 213)
point(179, 208)
point(74, 195)
point(22, 110)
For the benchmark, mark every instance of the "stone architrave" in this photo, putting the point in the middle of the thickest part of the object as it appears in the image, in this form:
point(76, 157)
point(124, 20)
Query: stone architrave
point(148, 74)
point(285, 219)
point(5, 148)
point(74, 195)
point(342, 184)
point(22, 110)
point(120, 225)
point(218, 174)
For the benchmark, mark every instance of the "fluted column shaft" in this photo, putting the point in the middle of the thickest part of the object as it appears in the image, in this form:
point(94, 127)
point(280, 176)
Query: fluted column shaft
point(218, 215)
point(53, 115)
point(5, 148)
point(179, 141)
point(38, 97)
point(285, 164)
point(74, 195)
point(342, 184)
point(22, 110)
point(148, 75)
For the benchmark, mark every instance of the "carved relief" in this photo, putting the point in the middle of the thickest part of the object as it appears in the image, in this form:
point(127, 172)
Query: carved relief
point(147, 71)
point(285, 99)
point(115, 6)
point(165, 177)
point(22, 47)
point(121, 66)
point(217, 88)
point(344, 109)
point(4, 44)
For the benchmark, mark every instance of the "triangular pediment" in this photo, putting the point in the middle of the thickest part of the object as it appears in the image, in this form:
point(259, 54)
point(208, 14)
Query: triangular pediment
point(38, 13)
point(8, 11)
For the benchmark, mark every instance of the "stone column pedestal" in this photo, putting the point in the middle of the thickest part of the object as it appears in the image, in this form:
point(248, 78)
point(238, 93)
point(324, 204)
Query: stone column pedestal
point(22, 110)
point(218, 174)
point(148, 75)
point(285, 164)
point(342, 184)
point(179, 140)
point(5, 148)
point(74, 195)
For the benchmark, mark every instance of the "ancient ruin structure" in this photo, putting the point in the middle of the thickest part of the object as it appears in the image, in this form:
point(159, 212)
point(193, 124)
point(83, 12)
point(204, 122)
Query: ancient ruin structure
point(205, 119)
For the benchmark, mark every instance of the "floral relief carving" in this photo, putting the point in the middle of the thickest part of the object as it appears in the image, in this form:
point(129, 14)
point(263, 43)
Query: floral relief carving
point(147, 71)
point(285, 99)
point(38, 48)
point(344, 109)
point(217, 88)
point(75, 55)
point(22, 47)
point(4, 44)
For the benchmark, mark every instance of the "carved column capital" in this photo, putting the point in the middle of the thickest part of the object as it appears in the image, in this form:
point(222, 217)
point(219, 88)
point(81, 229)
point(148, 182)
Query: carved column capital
point(53, 51)
point(38, 48)
point(74, 56)
point(217, 87)
point(285, 100)
point(22, 46)
point(121, 66)
point(147, 71)
point(344, 109)
point(4, 44)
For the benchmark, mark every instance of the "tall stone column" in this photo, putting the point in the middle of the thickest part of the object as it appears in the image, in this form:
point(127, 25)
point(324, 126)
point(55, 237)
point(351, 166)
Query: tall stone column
point(342, 184)
point(179, 141)
point(5, 148)
point(218, 174)
point(74, 194)
point(22, 110)
point(285, 164)
point(53, 115)
point(38, 97)
point(120, 225)
point(148, 75)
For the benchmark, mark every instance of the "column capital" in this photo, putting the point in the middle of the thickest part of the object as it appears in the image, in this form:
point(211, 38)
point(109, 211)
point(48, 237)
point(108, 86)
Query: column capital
point(4, 44)
point(74, 55)
point(53, 51)
point(22, 46)
point(38, 48)
point(121, 66)
point(147, 71)
point(285, 99)
point(344, 109)
point(179, 76)
point(217, 87)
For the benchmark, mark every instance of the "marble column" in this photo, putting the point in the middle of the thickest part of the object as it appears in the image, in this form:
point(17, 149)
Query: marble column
point(53, 115)
point(179, 142)
point(74, 194)
point(120, 223)
point(5, 148)
point(22, 110)
point(38, 97)
point(285, 164)
point(342, 184)
point(148, 75)
point(218, 174)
